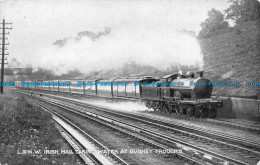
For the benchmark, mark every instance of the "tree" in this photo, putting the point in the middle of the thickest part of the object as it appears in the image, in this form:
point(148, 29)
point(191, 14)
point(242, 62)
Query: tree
point(9, 71)
point(28, 71)
point(44, 74)
point(243, 10)
point(74, 73)
point(71, 74)
point(213, 23)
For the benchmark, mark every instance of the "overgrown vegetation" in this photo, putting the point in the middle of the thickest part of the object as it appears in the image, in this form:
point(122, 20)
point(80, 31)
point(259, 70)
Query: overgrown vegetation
point(232, 53)
point(26, 127)
point(242, 11)
point(233, 56)
point(239, 12)
point(40, 74)
point(213, 23)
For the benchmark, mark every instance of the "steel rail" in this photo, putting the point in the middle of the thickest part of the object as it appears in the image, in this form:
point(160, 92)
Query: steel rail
point(92, 156)
point(198, 150)
point(203, 133)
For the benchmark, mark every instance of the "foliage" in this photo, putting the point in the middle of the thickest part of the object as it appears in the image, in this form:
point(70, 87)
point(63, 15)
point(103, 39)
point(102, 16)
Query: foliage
point(242, 11)
point(71, 74)
point(44, 74)
point(8, 71)
point(26, 127)
point(213, 23)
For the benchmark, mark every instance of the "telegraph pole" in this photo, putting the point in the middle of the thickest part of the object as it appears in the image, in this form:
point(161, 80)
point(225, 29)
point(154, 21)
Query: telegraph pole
point(3, 51)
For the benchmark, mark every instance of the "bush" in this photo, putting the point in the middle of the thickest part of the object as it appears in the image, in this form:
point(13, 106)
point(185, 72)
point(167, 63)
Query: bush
point(213, 23)
point(241, 11)
point(26, 127)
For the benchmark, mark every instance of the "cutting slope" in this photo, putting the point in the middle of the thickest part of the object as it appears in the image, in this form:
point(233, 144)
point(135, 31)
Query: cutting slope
point(233, 55)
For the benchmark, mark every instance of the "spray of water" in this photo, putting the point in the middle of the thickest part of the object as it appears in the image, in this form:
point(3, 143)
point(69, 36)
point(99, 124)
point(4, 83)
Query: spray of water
point(120, 106)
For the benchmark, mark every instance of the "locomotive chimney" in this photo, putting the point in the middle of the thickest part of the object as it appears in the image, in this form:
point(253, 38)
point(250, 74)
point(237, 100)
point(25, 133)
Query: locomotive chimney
point(200, 73)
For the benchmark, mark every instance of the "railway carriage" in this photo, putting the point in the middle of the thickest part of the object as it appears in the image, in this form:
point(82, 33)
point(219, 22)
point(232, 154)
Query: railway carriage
point(54, 86)
point(26, 86)
point(119, 89)
point(46, 85)
point(64, 86)
point(76, 88)
point(90, 87)
point(104, 88)
point(39, 86)
point(31, 86)
point(18, 84)
point(131, 88)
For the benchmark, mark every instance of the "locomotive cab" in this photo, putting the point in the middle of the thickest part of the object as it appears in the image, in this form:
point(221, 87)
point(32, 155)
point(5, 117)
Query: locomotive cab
point(165, 80)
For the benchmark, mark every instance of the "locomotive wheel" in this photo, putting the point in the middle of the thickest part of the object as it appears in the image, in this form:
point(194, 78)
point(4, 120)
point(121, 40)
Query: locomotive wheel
point(189, 111)
point(197, 113)
point(203, 113)
point(179, 110)
point(213, 113)
point(200, 112)
point(148, 104)
point(155, 109)
point(166, 109)
point(171, 108)
point(160, 108)
point(156, 106)
point(177, 95)
point(153, 105)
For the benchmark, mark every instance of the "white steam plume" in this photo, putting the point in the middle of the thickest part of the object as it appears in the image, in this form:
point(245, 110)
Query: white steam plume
point(119, 106)
point(148, 46)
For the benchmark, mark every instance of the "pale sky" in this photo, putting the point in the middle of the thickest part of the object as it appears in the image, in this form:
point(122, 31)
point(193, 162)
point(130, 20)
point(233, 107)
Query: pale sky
point(138, 28)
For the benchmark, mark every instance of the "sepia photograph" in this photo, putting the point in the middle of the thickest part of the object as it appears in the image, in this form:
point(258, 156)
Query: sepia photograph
point(130, 82)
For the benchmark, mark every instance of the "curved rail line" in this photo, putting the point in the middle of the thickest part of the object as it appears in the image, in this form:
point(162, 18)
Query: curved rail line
point(237, 125)
point(81, 141)
point(206, 153)
point(184, 129)
point(122, 128)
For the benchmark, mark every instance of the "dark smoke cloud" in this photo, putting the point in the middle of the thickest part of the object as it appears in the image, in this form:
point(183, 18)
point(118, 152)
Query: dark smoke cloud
point(93, 36)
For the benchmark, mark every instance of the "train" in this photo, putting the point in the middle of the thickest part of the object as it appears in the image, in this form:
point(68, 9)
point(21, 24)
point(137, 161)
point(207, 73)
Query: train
point(189, 94)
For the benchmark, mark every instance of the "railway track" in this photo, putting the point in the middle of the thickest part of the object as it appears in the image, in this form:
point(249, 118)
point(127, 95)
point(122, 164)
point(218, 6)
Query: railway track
point(163, 124)
point(254, 128)
point(243, 125)
point(182, 159)
point(215, 157)
point(82, 141)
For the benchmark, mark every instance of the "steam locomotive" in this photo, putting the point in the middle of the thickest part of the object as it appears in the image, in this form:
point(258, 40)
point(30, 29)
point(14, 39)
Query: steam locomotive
point(175, 93)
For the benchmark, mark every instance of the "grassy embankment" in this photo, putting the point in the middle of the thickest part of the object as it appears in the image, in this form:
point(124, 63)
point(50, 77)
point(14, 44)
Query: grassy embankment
point(26, 127)
point(234, 55)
